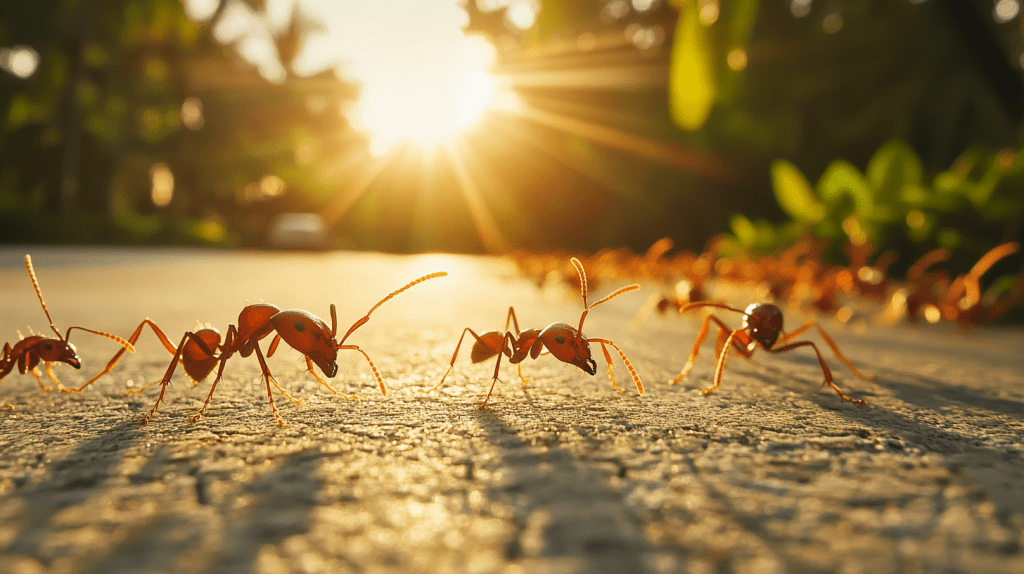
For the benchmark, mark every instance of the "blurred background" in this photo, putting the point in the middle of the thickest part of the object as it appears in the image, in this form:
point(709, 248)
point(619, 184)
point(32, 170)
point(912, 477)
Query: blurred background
point(487, 126)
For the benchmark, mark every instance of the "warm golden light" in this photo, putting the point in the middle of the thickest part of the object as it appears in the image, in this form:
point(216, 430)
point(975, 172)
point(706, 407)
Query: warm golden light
point(20, 61)
point(161, 184)
point(428, 99)
point(422, 79)
point(192, 113)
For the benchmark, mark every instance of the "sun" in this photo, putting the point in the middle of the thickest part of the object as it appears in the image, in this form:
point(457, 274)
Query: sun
point(426, 97)
point(422, 78)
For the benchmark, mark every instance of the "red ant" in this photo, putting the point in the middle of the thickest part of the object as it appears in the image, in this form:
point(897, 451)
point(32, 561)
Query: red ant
point(762, 325)
point(27, 352)
point(302, 330)
point(963, 301)
point(566, 343)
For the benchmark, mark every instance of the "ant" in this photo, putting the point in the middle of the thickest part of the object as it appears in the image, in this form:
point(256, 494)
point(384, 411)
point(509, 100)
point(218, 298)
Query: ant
point(27, 352)
point(762, 325)
point(565, 343)
point(201, 351)
point(963, 302)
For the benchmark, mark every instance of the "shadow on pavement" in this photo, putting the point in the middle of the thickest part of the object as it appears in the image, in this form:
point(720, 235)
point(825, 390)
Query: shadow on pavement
point(565, 510)
point(72, 482)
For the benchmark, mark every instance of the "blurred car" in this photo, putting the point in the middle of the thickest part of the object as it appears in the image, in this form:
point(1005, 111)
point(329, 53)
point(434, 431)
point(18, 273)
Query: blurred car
point(297, 231)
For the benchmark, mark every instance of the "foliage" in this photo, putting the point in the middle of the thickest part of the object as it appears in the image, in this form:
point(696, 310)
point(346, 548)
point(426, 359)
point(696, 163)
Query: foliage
point(970, 207)
point(124, 87)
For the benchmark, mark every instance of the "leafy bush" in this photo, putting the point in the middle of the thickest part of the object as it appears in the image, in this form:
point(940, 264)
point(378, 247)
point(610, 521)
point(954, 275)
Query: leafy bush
point(971, 207)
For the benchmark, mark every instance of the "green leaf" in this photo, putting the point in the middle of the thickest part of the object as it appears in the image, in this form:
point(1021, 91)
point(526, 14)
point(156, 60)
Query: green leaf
point(893, 166)
point(843, 179)
point(794, 194)
point(744, 230)
point(692, 86)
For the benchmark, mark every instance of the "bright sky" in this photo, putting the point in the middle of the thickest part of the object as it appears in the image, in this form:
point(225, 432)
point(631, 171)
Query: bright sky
point(423, 79)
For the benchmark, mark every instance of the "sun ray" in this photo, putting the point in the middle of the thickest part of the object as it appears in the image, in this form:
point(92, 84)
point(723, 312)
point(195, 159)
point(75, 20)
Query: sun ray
point(673, 155)
point(483, 220)
point(368, 170)
point(602, 173)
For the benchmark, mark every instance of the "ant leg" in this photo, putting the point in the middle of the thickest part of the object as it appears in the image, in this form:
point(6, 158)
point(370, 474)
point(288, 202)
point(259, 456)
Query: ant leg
point(702, 334)
point(519, 369)
point(269, 378)
point(720, 367)
point(824, 368)
point(625, 361)
point(220, 372)
point(512, 317)
point(167, 379)
point(53, 377)
point(117, 357)
point(309, 363)
point(839, 355)
point(611, 371)
point(451, 366)
point(832, 345)
point(38, 376)
point(497, 366)
point(376, 373)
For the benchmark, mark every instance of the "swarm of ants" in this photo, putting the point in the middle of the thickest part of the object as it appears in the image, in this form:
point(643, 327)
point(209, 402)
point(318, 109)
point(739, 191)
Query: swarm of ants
point(796, 278)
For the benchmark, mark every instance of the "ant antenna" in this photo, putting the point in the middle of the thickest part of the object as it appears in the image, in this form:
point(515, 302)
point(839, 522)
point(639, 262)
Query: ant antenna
point(39, 293)
point(583, 279)
point(583, 287)
point(366, 317)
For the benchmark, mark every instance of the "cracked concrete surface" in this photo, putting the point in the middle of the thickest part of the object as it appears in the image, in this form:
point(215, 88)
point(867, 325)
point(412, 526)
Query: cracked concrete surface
point(561, 474)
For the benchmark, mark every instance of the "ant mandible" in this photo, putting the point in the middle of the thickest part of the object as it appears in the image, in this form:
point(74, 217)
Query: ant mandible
point(565, 343)
point(762, 326)
point(27, 352)
point(200, 351)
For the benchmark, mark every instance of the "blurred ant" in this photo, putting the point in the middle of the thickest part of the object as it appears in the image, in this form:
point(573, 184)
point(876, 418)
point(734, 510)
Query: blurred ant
point(200, 351)
point(762, 325)
point(564, 342)
point(27, 352)
point(935, 296)
point(963, 302)
point(922, 292)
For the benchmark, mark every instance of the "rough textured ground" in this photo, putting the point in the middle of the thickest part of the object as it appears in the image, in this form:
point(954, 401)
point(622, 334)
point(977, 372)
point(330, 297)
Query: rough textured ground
point(562, 474)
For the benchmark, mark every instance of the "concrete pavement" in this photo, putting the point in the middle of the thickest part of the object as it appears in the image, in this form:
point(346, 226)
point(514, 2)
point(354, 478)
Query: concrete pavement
point(561, 474)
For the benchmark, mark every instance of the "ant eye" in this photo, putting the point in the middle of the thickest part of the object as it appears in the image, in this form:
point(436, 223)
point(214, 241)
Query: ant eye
point(48, 346)
point(560, 339)
point(299, 326)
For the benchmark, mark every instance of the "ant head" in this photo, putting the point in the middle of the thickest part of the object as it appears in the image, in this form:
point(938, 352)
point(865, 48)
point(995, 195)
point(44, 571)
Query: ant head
point(764, 322)
point(309, 335)
point(54, 350)
point(565, 344)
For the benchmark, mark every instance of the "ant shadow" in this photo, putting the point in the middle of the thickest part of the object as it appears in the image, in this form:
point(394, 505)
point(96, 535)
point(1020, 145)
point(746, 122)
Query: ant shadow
point(283, 502)
point(975, 464)
point(563, 507)
point(72, 482)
